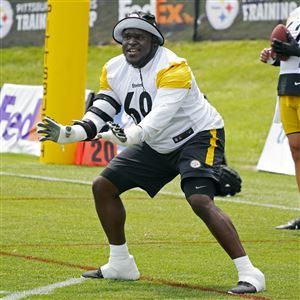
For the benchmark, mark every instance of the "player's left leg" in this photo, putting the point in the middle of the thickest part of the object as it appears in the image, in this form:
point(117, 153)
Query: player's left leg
point(290, 118)
point(197, 160)
point(217, 221)
point(251, 279)
point(294, 143)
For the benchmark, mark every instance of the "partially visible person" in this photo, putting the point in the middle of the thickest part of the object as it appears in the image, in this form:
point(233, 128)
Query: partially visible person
point(292, 224)
point(289, 92)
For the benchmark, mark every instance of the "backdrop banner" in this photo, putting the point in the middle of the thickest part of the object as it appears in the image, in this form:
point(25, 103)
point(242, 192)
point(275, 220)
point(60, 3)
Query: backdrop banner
point(241, 19)
point(276, 156)
point(23, 22)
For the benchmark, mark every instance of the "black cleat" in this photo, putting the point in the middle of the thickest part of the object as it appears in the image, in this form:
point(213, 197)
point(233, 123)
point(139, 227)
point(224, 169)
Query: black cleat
point(243, 288)
point(292, 225)
point(94, 274)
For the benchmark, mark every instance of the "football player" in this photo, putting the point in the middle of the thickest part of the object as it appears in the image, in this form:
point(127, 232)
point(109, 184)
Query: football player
point(175, 131)
point(288, 90)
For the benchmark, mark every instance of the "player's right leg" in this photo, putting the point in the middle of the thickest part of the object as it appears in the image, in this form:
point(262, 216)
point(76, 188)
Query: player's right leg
point(110, 210)
point(111, 213)
point(136, 166)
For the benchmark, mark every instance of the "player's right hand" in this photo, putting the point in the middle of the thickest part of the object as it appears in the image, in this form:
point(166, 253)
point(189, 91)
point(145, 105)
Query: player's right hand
point(266, 56)
point(50, 130)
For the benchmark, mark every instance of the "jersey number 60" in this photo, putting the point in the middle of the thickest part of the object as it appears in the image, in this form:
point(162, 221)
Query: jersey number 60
point(145, 106)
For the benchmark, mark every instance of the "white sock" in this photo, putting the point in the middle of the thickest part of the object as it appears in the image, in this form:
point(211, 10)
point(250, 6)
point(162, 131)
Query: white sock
point(119, 251)
point(248, 273)
point(243, 264)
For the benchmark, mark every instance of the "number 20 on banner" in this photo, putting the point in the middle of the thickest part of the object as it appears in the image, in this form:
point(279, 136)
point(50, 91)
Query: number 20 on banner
point(95, 153)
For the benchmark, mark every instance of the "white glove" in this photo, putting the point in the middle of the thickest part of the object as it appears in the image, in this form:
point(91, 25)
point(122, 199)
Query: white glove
point(125, 137)
point(50, 130)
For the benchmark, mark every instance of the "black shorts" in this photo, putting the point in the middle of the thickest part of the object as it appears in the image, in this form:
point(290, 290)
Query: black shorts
point(141, 166)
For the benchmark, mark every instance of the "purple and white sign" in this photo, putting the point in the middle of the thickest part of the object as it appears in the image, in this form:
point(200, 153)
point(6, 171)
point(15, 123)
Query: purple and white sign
point(20, 109)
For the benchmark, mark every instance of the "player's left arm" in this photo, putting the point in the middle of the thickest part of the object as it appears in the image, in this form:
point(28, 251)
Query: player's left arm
point(291, 48)
point(155, 121)
point(173, 84)
point(170, 100)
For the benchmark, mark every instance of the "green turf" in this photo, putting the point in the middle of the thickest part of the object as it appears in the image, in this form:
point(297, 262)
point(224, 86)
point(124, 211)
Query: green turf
point(50, 232)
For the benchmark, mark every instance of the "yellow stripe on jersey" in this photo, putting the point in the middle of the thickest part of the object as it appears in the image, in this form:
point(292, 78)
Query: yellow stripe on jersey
point(211, 149)
point(177, 75)
point(104, 85)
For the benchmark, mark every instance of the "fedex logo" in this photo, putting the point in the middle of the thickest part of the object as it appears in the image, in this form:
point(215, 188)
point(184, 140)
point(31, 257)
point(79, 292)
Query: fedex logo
point(126, 7)
point(15, 124)
point(166, 13)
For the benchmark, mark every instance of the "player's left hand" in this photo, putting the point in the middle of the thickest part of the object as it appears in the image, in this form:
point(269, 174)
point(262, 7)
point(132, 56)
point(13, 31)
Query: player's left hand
point(115, 134)
point(289, 49)
point(117, 131)
point(125, 137)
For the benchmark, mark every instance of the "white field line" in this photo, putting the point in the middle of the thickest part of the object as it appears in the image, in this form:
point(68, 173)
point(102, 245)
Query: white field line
point(43, 290)
point(225, 199)
point(45, 178)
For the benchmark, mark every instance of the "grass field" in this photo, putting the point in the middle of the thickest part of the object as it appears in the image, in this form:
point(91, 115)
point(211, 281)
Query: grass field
point(50, 233)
